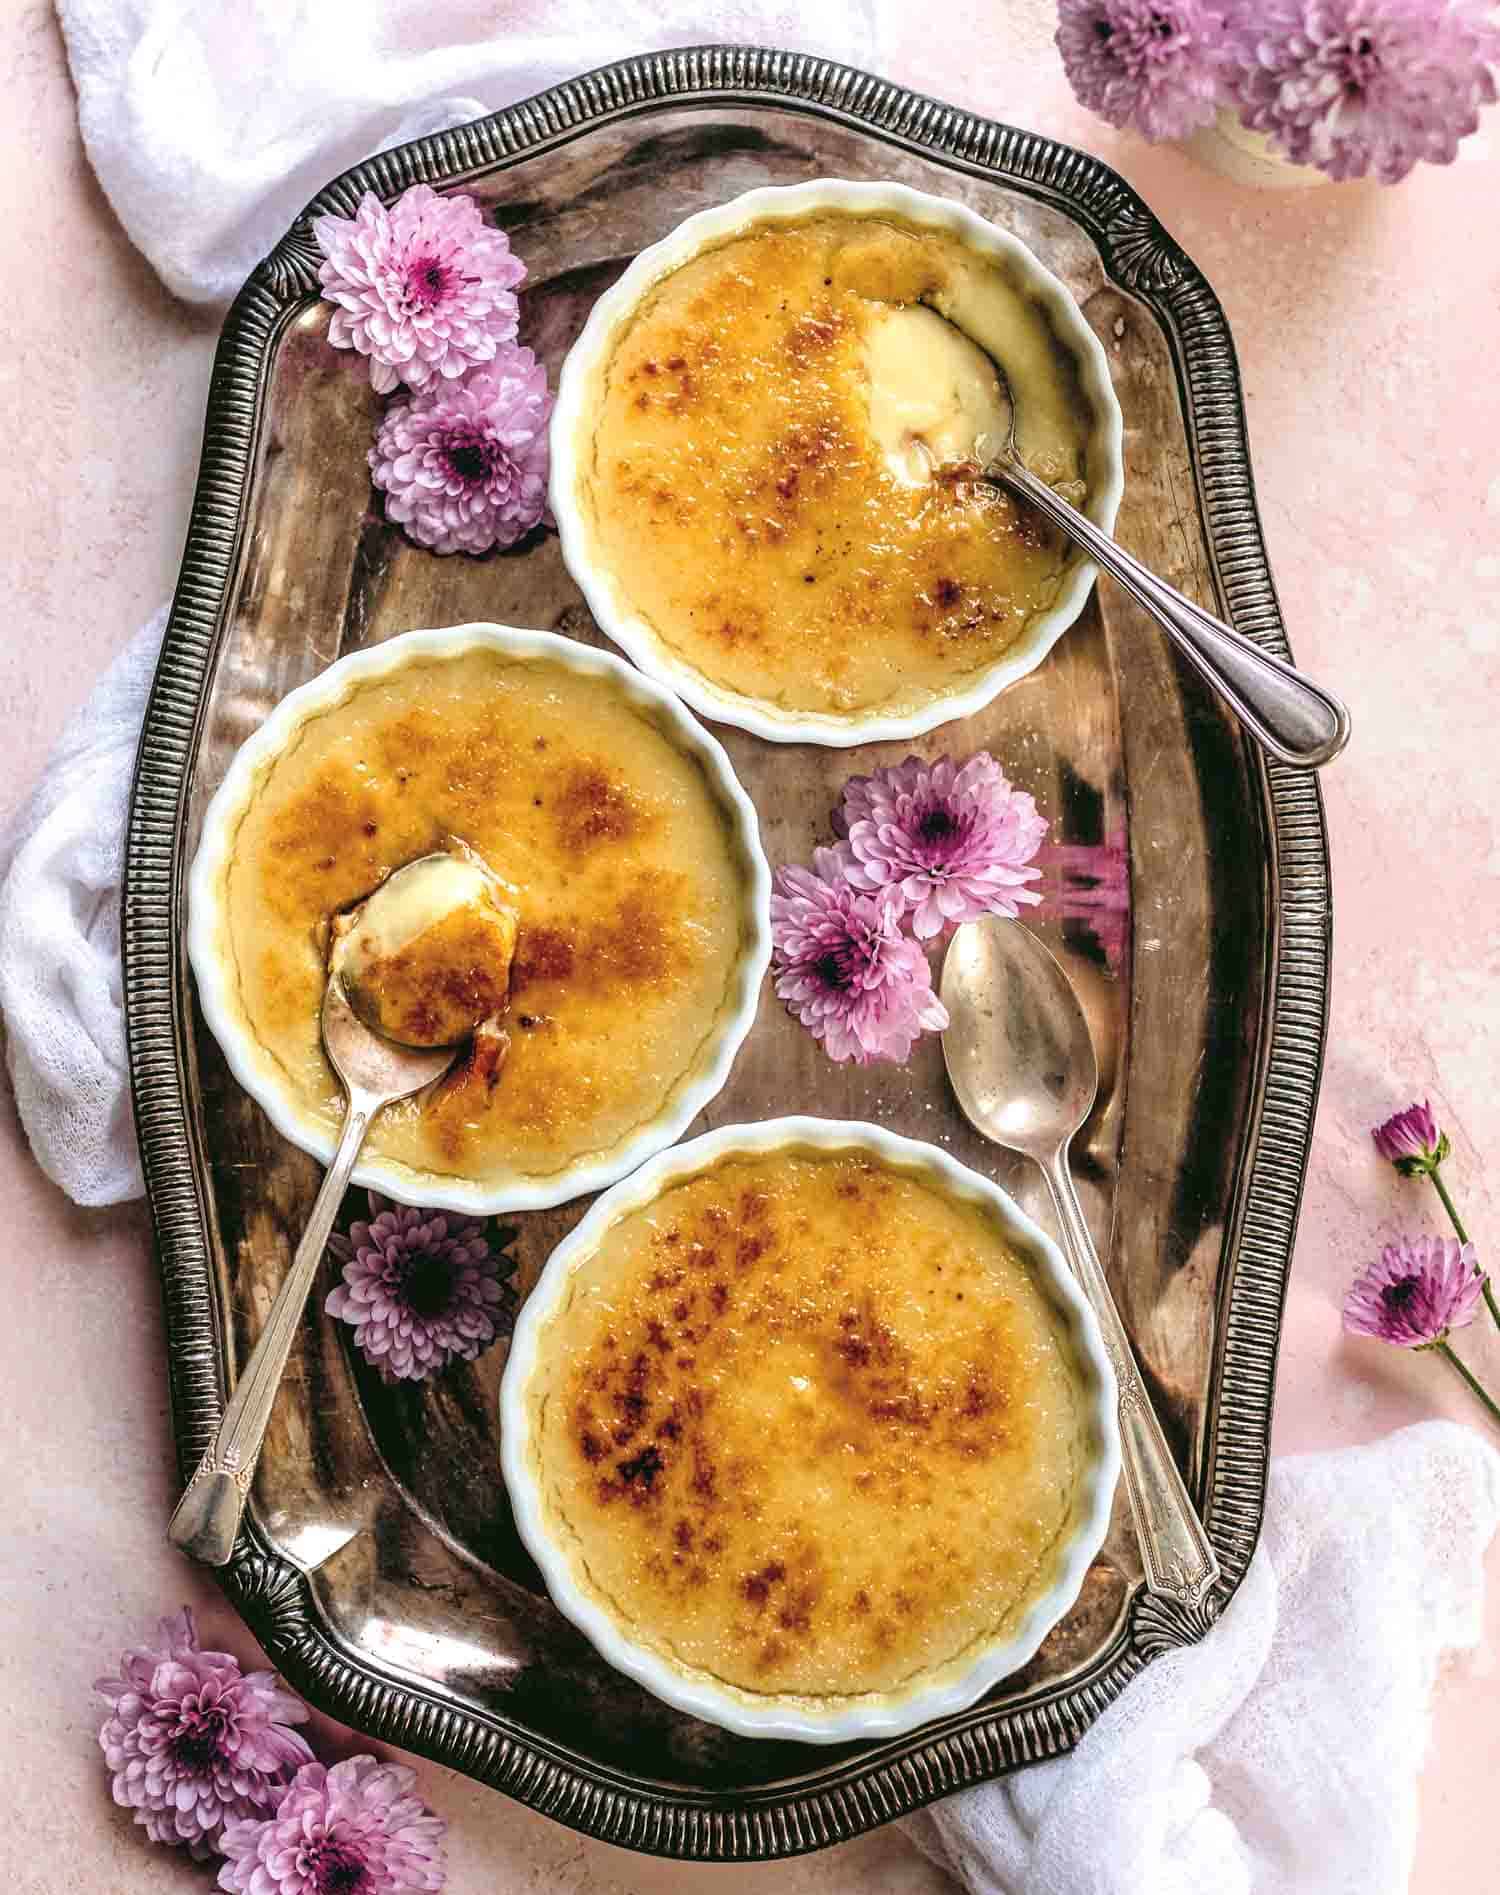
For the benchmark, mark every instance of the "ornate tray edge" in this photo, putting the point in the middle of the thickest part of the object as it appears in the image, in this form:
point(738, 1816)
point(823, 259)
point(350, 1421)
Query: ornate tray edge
point(275, 1598)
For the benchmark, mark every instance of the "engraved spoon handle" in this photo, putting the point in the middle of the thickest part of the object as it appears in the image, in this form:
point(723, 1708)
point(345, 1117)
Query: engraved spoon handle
point(1178, 1558)
point(207, 1518)
point(1290, 716)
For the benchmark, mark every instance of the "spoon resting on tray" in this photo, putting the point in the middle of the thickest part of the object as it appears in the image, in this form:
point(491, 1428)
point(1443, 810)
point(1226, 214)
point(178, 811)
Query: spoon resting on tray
point(962, 421)
point(1021, 1061)
point(390, 973)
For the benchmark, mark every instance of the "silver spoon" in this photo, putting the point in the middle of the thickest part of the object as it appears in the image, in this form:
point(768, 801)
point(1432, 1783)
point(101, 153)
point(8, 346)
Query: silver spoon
point(1294, 719)
point(374, 1072)
point(1018, 1052)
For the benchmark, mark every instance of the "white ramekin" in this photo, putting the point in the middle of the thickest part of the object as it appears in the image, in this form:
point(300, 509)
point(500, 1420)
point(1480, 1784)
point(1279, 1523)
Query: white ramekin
point(260, 1074)
point(875, 1715)
point(572, 427)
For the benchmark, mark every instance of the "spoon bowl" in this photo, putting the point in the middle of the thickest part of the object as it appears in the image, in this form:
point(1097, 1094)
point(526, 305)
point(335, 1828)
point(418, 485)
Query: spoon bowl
point(1018, 1049)
point(366, 1061)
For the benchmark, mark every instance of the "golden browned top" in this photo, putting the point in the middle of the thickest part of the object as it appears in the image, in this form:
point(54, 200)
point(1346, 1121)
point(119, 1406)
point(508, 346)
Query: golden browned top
point(438, 988)
point(743, 509)
point(809, 1425)
point(425, 958)
point(612, 848)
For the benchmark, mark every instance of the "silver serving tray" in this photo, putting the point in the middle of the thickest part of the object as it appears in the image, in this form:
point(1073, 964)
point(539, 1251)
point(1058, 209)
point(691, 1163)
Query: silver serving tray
point(379, 1565)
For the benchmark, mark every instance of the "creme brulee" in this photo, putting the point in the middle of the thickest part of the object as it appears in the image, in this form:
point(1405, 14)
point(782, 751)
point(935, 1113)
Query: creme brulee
point(621, 916)
point(769, 482)
point(807, 1425)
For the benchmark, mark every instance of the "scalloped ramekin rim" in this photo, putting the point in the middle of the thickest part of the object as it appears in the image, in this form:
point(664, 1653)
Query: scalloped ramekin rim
point(254, 1069)
point(784, 203)
point(784, 1718)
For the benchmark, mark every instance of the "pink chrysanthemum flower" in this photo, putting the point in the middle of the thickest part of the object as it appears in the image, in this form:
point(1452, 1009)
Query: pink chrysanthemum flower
point(356, 1829)
point(952, 840)
point(1361, 87)
point(843, 966)
point(425, 289)
point(1412, 1141)
point(420, 1289)
point(1420, 1289)
point(1155, 66)
point(193, 1741)
point(464, 468)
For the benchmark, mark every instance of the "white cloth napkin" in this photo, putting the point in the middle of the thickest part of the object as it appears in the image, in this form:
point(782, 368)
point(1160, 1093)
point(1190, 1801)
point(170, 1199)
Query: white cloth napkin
point(60, 993)
point(1279, 1755)
point(211, 124)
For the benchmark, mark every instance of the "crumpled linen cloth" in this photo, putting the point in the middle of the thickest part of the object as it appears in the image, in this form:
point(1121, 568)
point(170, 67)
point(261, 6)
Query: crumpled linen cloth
point(60, 993)
point(211, 125)
point(1281, 1754)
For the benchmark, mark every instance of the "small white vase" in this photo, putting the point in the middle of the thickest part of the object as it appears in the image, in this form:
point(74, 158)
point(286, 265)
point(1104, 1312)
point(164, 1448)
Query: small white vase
point(1231, 148)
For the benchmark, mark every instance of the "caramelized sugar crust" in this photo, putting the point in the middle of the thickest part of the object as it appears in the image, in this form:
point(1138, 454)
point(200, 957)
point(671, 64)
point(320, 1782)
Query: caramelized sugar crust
point(439, 987)
point(809, 1425)
point(743, 509)
point(614, 850)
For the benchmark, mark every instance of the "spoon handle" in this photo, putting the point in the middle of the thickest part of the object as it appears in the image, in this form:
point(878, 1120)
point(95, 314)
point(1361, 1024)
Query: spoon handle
point(207, 1518)
point(1290, 716)
point(1178, 1558)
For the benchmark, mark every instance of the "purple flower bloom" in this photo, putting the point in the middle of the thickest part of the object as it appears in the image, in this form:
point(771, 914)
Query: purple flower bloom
point(464, 467)
point(1420, 1289)
point(950, 839)
point(1412, 1141)
point(843, 966)
point(1158, 66)
point(193, 1741)
point(420, 1289)
point(1362, 86)
point(356, 1829)
point(426, 289)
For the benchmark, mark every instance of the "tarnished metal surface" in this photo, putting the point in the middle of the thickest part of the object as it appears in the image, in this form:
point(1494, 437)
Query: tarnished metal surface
point(380, 1565)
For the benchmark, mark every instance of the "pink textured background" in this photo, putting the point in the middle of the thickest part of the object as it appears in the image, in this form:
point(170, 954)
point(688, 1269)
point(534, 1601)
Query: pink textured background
point(1366, 327)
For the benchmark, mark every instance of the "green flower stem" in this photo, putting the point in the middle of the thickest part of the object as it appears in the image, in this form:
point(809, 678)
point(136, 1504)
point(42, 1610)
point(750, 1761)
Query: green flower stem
point(1476, 1387)
point(1448, 1205)
point(1463, 1237)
